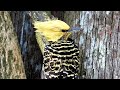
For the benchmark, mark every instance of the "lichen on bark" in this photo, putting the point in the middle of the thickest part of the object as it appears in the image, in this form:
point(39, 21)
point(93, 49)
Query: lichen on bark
point(11, 65)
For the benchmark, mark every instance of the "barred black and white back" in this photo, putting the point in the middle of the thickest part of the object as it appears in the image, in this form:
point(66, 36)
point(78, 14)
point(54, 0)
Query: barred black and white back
point(61, 60)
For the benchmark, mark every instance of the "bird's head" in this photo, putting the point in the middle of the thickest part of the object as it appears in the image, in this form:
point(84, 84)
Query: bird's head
point(53, 30)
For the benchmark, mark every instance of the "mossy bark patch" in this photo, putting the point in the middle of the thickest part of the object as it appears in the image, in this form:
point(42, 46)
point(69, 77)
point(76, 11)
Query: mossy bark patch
point(11, 65)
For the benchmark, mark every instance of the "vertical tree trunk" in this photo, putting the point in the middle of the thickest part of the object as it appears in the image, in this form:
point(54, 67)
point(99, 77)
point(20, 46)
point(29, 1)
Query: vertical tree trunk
point(58, 14)
point(11, 65)
point(31, 53)
point(99, 42)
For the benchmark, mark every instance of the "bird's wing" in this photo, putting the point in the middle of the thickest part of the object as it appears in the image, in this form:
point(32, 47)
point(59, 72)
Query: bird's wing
point(62, 61)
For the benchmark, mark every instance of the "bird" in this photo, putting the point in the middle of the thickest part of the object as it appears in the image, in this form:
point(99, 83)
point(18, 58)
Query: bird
point(61, 55)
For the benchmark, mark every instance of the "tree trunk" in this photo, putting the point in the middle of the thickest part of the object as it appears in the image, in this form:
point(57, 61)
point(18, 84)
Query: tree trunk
point(99, 42)
point(11, 64)
point(31, 53)
point(58, 14)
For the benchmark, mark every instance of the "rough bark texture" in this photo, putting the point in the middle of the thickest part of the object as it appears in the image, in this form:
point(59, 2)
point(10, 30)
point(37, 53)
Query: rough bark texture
point(11, 64)
point(58, 14)
point(99, 42)
point(31, 53)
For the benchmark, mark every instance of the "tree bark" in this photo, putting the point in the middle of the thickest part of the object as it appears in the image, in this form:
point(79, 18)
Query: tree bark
point(31, 52)
point(58, 14)
point(11, 64)
point(99, 42)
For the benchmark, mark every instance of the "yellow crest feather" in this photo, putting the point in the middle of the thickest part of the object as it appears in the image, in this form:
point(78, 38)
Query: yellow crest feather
point(51, 29)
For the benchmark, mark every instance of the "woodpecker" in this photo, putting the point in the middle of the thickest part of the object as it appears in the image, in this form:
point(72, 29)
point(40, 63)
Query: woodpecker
point(61, 55)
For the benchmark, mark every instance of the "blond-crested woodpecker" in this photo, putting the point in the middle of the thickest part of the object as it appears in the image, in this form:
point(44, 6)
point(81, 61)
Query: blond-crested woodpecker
point(61, 55)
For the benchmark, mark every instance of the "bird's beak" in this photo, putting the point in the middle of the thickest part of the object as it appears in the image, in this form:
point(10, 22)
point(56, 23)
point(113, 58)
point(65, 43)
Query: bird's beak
point(74, 29)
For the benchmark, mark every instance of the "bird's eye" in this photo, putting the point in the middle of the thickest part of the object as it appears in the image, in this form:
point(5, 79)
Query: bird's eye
point(64, 30)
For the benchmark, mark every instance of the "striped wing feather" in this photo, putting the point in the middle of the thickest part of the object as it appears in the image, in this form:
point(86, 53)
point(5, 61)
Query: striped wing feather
point(61, 60)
